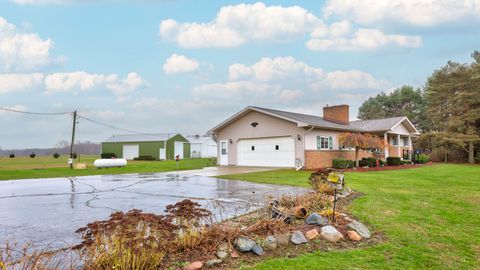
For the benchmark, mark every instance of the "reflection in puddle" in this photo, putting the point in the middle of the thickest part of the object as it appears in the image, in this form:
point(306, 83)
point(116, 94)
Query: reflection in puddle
point(50, 210)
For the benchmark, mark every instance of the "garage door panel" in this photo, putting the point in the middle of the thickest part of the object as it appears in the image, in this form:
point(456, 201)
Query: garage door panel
point(265, 152)
point(130, 151)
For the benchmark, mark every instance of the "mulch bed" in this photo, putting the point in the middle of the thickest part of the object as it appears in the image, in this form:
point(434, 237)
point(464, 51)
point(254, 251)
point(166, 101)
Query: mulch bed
point(387, 168)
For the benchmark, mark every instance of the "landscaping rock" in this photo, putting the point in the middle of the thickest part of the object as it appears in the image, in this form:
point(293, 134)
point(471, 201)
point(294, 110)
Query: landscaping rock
point(257, 250)
point(244, 244)
point(213, 262)
point(222, 255)
point(354, 236)
point(298, 238)
point(271, 243)
point(193, 266)
point(361, 229)
point(316, 219)
point(234, 254)
point(283, 239)
point(331, 234)
point(312, 234)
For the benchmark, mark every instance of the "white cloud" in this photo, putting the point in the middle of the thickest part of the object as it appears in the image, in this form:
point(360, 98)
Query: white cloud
point(81, 80)
point(361, 40)
point(278, 68)
point(236, 25)
point(22, 51)
point(19, 82)
point(128, 85)
point(423, 13)
point(351, 79)
point(176, 64)
point(289, 95)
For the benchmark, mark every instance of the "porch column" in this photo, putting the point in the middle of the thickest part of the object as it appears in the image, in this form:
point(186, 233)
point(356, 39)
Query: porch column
point(410, 147)
point(385, 139)
point(399, 149)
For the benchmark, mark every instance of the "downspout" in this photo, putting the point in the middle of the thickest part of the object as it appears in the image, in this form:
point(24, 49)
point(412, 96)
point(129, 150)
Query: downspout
point(304, 150)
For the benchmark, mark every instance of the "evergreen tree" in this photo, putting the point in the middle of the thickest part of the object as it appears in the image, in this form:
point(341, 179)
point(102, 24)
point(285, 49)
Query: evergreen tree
point(453, 100)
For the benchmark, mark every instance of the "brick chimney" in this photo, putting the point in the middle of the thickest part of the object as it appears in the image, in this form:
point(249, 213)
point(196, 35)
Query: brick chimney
point(338, 114)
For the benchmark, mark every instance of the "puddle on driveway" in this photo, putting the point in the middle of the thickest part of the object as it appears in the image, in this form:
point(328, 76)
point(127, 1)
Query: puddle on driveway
point(48, 211)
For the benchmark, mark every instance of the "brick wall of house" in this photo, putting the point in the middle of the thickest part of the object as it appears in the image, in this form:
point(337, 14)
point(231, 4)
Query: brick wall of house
point(337, 113)
point(393, 150)
point(316, 159)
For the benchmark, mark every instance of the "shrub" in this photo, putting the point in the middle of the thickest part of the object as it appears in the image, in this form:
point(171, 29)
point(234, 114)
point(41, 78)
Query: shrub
point(107, 155)
point(74, 155)
point(394, 161)
point(56, 155)
point(370, 161)
point(144, 158)
point(340, 163)
point(32, 155)
point(406, 162)
point(422, 159)
point(11, 155)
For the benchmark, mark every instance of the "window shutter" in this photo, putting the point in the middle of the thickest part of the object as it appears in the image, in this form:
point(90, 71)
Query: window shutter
point(319, 146)
point(330, 143)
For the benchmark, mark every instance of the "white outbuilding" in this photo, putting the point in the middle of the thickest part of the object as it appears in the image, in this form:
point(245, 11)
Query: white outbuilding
point(202, 146)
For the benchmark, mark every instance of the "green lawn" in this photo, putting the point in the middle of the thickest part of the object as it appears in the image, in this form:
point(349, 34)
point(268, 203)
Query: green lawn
point(47, 166)
point(430, 217)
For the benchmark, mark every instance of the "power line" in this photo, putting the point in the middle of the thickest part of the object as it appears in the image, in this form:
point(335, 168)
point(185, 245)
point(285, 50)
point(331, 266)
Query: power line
point(36, 113)
point(108, 125)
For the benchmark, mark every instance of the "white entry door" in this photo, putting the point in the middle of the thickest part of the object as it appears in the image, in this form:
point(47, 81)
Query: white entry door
point(162, 154)
point(223, 153)
point(269, 152)
point(178, 149)
point(130, 151)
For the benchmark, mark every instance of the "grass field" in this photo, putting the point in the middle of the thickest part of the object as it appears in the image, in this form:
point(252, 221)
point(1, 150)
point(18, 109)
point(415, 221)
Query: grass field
point(430, 217)
point(47, 166)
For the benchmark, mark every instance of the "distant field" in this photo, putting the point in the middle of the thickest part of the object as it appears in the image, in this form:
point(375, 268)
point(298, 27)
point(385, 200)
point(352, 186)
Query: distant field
point(47, 166)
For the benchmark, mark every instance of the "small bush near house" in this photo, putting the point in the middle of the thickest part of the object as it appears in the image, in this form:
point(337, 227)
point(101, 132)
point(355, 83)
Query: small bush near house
point(370, 161)
point(11, 155)
point(340, 163)
point(56, 155)
point(32, 155)
point(422, 159)
point(107, 155)
point(394, 161)
point(406, 162)
point(144, 158)
point(74, 155)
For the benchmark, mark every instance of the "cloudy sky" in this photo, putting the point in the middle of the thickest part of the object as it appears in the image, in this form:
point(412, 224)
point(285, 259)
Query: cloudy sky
point(181, 66)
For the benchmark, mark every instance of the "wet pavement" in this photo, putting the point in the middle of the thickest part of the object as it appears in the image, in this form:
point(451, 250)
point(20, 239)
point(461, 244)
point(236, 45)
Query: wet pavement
point(48, 211)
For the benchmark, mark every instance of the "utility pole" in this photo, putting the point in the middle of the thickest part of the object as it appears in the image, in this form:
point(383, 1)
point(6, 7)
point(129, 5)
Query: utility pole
point(73, 137)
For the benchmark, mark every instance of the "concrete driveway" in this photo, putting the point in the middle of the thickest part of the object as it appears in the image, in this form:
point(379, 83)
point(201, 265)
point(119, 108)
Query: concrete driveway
point(225, 170)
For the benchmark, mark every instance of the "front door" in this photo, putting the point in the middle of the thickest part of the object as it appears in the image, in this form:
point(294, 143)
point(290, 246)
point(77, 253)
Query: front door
point(223, 153)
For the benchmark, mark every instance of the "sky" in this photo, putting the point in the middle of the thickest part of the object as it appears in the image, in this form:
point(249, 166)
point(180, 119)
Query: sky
point(156, 66)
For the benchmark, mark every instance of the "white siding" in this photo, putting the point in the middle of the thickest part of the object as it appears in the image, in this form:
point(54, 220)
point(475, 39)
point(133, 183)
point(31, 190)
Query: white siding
point(311, 138)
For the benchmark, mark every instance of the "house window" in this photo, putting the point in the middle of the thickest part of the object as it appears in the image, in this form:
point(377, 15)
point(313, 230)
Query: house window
point(395, 141)
point(253, 148)
point(277, 147)
point(323, 143)
point(224, 148)
point(405, 141)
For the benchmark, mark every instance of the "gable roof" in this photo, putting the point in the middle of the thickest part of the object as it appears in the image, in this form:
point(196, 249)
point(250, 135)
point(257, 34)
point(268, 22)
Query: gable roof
point(141, 137)
point(306, 120)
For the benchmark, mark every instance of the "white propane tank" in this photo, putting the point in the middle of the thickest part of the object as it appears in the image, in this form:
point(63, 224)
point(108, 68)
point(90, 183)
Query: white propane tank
point(108, 163)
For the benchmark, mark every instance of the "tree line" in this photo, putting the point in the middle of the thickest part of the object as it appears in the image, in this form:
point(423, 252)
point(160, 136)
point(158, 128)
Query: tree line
point(446, 110)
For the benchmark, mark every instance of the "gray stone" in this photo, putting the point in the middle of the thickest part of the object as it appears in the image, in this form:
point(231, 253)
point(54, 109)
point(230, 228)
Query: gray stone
point(283, 239)
point(316, 219)
point(330, 233)
point(257, 250)
point(298, 238)
point(271, 243)
point(222, 255)
point(244, 244)
point(213, 262)
point(361, 229)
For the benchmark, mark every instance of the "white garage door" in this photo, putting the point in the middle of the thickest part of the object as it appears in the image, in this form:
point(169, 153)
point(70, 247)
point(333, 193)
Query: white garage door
point(270, 152)
point(130, 151)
